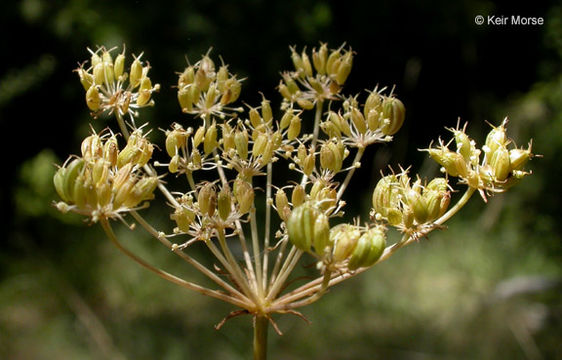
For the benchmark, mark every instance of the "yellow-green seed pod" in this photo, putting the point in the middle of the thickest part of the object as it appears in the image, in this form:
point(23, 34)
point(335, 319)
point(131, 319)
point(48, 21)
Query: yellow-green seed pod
point(210, 142)
point(331, 157)
point(106, 57)
point(207, 199)
point(202, 80)
point(144, 91)
point(111, 150)
point(358, 120)
point(195, 162)
point(316, 188)
point(309, 164)
point(73, 170)
point(91, 147)
point(184, 99)
point(135, 74)
point(286, 119)
point(123, 174)
point(294, 128)
point(95, 59)
point(500, 163)
point(93, 99)
point(103, 194)
point(276, 140)
point(330, 129)
point(333, 63)
point(128, 155)
point(119, 65)
point(344, 239)
point(260, 145)
point(175, 140)
point(292, 86)
point(241, 143)
point(297, 62)
point(211, 96)
point(298, 196)
point(222, 76)
point(100, 171)
point(99, 74)
point(301, 153)
point(393, 115)
point(109, 76)
point(86, 79)
point(260, 130)
point(321, 235)
point(439, 184)
point(267, 153)
point(123, 191)
point(195, 93)
point(345, 68)
point(224, 203)
point(146, 149)
point(519, 157)
point(305, 104)
point(316, 85)
point(369, 249)
point(227, 138)
point(386, 195)
point(183, 218)
point(437, 203)
point(373, 120)
point(327, 197)
point(453, 163)
point(373, 102)
point(174, 164)
point(58, 181)
point(307, 66)
point(496, 138)
point(284, 91)
point(319, 59)
point(464, 146)
point(266, 112)
point(308, 226)
point(255, 118)
point(417, 205)
point(199, 136)
point(282, 204)
point(143, 190)
point(186, 77)
point(232, 91)
point(244, 194)
point(80, 192)
point(340, 123)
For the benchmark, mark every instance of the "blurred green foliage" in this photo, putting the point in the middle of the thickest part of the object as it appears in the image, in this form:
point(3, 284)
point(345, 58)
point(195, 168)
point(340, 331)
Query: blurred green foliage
point(488, 287)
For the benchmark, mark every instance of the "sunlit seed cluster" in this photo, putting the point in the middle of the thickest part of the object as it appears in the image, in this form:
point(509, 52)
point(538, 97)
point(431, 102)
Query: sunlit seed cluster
point(112, 90)
point(105, 182)
point(223, 149)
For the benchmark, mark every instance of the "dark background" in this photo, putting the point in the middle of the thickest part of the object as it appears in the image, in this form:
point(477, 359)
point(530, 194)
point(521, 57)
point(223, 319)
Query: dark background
point(65, 293)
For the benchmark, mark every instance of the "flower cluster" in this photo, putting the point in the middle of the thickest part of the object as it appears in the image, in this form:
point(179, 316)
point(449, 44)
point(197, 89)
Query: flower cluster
point(204, 91)
point(410, 207)
point(317, 80)
point(226, 152)
point(105, 182)
point(500, 168)
point(110, 89)
point(342, 248)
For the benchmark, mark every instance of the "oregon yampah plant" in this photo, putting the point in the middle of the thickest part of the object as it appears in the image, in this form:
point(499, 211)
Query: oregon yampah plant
point(222, 148)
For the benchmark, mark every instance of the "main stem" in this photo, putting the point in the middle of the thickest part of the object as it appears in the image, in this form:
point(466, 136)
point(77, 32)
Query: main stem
point(261, 324)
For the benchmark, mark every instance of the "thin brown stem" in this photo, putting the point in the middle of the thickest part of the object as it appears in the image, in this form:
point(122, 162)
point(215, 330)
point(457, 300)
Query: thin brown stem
point(167, 276)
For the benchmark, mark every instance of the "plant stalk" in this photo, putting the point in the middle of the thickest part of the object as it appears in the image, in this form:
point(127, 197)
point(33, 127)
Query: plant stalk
point(261, 324)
